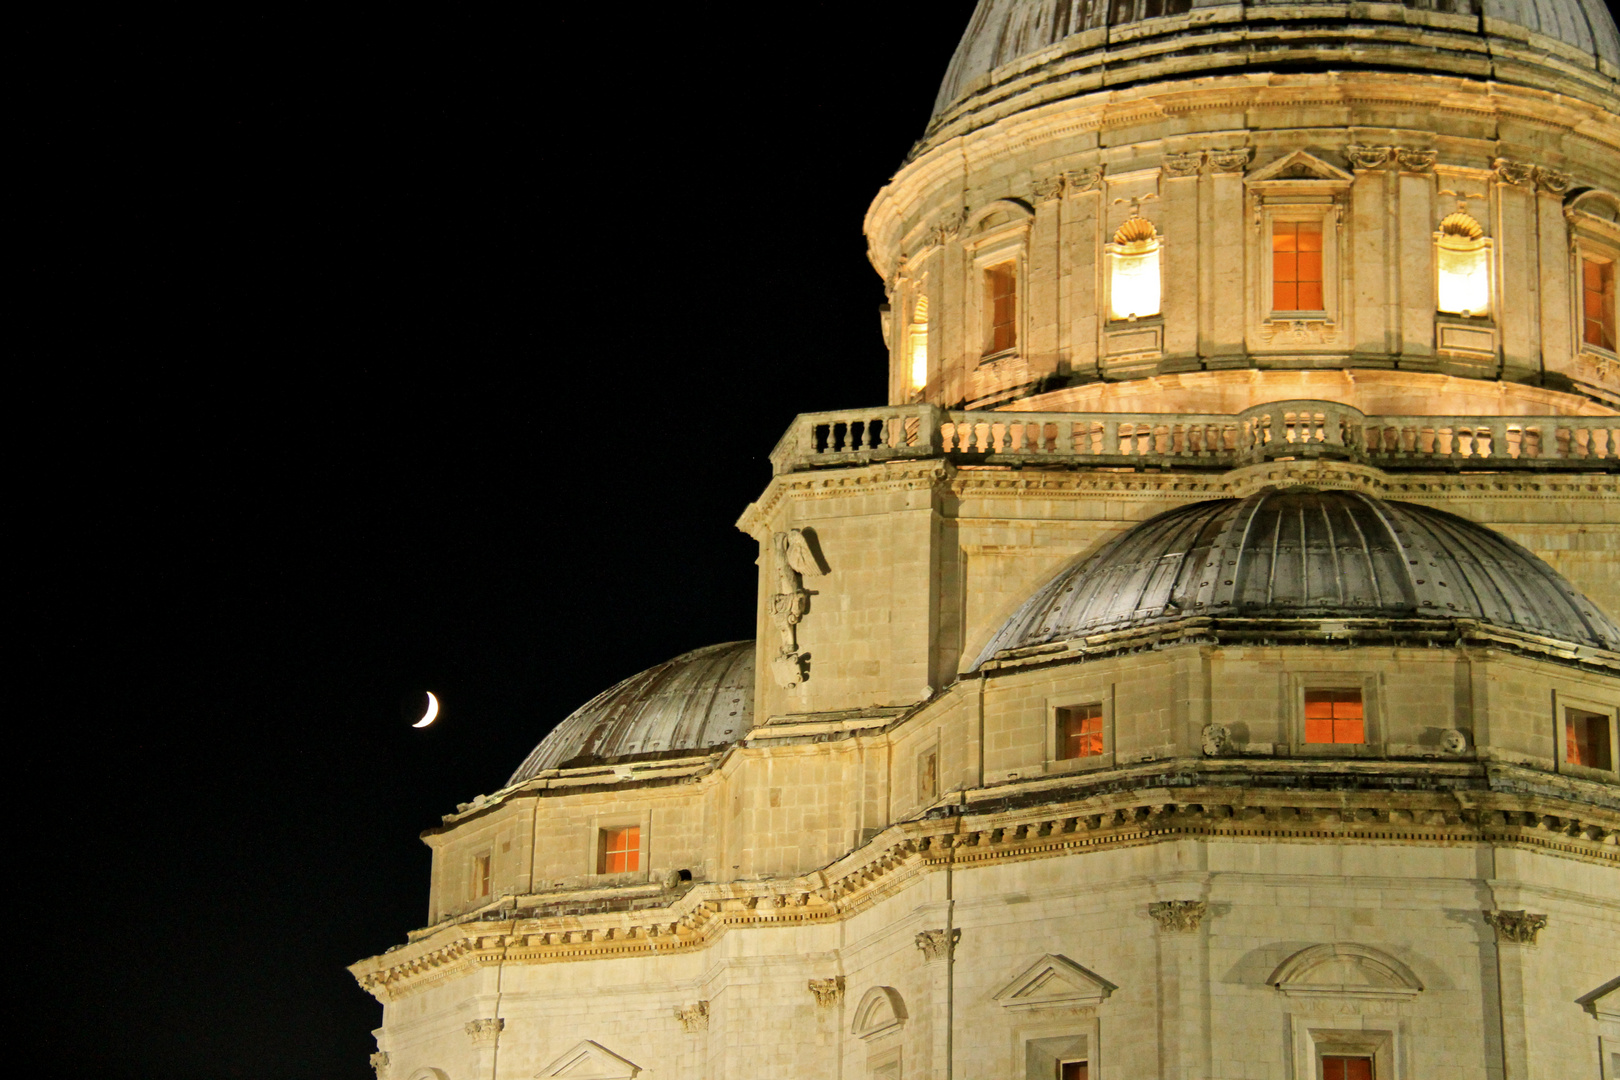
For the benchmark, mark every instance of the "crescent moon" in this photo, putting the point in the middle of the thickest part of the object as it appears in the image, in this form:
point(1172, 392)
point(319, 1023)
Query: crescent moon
point(432, 711)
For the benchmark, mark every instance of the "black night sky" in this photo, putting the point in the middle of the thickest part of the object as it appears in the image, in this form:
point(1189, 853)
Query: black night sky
point(366, 355)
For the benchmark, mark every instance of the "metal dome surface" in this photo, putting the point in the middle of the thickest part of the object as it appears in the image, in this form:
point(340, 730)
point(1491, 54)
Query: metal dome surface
point(1305, 553)
point(1497, 38)
point(701, 699)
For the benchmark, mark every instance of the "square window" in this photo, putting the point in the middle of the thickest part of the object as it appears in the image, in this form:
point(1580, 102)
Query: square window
point(1597, 302)
point(1079, 732)
point(1337, 1067)
point(1586, 739)
point(1334, 716)
point(1073, 1070)
point(620, 851)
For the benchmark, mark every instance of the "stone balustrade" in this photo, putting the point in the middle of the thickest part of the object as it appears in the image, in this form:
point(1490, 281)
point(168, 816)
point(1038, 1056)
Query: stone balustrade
point(1269, 432)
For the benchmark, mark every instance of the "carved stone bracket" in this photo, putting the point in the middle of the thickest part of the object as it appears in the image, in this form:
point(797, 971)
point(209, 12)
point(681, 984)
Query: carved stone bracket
point(1416, 161)
point(933, 945)
point(1519, 927)
point(693, 1017)
point(484, 1032)
point(828, 992)
point(1178, 916)
point(379, 1064)
point(947, 228)
point(1217, 739)
point(1177, 166)
point(1230, 161)
point(1369, 157)
point(789, 604)
point(1520, 173)
point(1047, 189)
point(1553, 182)
point(1089, 178)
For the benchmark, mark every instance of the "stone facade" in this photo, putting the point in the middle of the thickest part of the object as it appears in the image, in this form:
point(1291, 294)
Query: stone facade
point(896, 871)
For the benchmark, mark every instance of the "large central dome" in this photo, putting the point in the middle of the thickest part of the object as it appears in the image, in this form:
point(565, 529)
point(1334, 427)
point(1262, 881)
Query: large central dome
point(1306, 553)
point(1014, 45)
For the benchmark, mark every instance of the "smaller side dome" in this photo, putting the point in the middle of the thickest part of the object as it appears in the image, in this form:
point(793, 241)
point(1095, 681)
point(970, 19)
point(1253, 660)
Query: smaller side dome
point(699, 700)
point(1301, 553)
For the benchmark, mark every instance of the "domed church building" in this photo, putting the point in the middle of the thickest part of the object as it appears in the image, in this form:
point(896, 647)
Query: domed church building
point(1204, 666)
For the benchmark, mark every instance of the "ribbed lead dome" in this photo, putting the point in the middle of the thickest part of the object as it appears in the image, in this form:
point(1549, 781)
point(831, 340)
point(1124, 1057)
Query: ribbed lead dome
point(1116, 42)
point(1306, 553)
point(701, 699)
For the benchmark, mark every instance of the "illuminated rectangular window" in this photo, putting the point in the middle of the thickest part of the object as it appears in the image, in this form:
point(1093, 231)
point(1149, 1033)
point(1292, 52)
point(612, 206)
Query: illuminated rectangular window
point(1296, 266)
point(1073, 1070)
point(1001, 307)
point(1334, 716)
point(480, 876)
point(1079, 732)
point(1586, 739)
point(1347, 1068)
point(621, 851)
point(1597, 302)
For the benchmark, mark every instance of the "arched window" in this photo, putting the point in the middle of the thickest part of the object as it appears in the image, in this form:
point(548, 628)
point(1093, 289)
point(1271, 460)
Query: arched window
point(917, 343)
point(1463, 265)
point(1133, 278)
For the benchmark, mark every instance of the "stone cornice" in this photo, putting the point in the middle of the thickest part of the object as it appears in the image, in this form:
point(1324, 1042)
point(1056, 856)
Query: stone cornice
point(1021, 822)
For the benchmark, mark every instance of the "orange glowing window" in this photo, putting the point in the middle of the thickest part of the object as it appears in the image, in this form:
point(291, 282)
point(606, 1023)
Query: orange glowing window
point(480, 876)
point(1296, 266)
point(1079, 731)
point(1597, 302)
point(1001, 307)
point(1072, 1070)
point(1347, 1068)
point(1586, 739)
point(621, 850)
point(1334, 716)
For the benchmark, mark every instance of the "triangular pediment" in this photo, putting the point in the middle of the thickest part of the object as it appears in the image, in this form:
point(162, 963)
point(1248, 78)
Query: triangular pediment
point(1344, 970)
point(1054, 982)
point(1604, 1002)
point(1299, 166)
point(589, 1060)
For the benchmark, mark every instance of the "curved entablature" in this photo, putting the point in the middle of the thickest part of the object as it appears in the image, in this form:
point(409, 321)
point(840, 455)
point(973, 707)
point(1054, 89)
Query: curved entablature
point(1040, 49)
point(1303, 554)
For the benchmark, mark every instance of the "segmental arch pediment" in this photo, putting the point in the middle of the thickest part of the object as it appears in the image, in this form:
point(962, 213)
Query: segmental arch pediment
point(1345, 969)
point(881, 1009)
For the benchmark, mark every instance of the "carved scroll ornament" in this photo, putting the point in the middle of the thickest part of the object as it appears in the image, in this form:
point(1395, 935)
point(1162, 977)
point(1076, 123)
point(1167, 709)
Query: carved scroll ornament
point(794, 560)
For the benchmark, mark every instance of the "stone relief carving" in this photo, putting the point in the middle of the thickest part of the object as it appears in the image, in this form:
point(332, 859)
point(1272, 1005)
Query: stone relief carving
point(1299, 332)
point(1049, 188)
point(693, 1017)
point(1180, 165)
point(379, 1064)
point(1519, 927)
point(1217, 739)
point(947, 228)
point(1453, 741)
point(484, 1032)
point(1089, 178)
point(794, 560)
point(828, 992)
point(1178, 916)
point(1417, 161)
point(933, 944)
point(1230, 161)
point(1509, 171)
point(1368, 157)
point(1552, 181)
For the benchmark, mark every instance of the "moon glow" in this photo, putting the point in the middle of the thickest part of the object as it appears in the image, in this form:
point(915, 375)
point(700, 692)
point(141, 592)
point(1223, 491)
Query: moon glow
point(432, 711)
